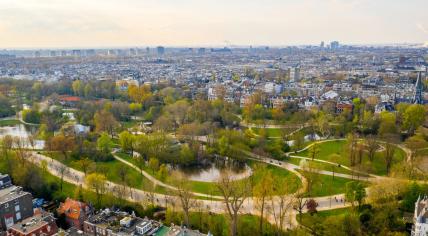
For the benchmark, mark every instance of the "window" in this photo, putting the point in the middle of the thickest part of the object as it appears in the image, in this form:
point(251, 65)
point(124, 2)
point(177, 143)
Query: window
point(18, 216)
point(17, 208)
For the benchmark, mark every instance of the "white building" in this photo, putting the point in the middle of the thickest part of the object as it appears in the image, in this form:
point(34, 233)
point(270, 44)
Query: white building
point(420, 220)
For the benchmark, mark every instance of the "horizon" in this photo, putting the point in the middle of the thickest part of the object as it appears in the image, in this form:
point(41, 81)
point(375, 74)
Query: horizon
point(191, 23)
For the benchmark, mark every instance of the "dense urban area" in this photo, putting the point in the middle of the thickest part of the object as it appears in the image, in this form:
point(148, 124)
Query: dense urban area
point(302, 140)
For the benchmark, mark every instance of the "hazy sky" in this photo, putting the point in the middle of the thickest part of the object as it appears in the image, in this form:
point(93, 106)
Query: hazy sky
point(104, 23)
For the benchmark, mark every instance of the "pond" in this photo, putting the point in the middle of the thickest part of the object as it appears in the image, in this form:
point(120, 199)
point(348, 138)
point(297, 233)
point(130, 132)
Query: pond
point(23, 132)
point(212, 172)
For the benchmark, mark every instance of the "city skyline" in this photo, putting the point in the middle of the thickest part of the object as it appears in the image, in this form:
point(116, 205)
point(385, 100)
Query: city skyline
point(110, 23)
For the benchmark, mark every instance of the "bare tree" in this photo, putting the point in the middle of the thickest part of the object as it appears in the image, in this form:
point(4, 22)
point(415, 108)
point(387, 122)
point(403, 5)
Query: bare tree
point(389, 156)
point(371, 146)
point(299, 204)
point(234, 194)
point(280, 202)
point(185, 196)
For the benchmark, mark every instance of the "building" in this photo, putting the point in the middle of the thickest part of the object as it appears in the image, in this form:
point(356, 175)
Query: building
point(418, 98)
point(334, 45)
point(175, 230)
point(15, 205)
point(5, 181)
point(344, 105)
point(119, 223)
point(420, 219)
point(123, 84)
point(160, 50)
point(41, 224)
point(75, 212)
point(68, 101)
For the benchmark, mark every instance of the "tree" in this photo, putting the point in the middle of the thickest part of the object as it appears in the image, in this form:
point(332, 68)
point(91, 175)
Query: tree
point(85, 164)
point(371, 146)
point(314, 151)
point(387, 124)
point(63, 144)
point(141, 94)
point(299, 204)
point(299, 140)
point(105, 122)
point(104, 143)
point(312, 205)
point(351, 148)
point(97, 182)
point(88, 91)
point(262, 189)
point(77, 88)
point(127, 141)
point(234, 194)
point(163, 172)
point(389, 156)
point(62, 171)
point(281, 201)
point(355, 192)
point(185, 196)
point(334, 158)
point(414, 116)
point(154, 164)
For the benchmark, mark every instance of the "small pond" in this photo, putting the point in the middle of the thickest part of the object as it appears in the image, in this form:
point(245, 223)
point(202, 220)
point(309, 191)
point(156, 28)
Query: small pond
point(23, 132)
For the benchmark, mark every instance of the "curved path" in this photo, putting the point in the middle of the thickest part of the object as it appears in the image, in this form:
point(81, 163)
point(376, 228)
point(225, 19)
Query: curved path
point(156, 181)
point(137, 195)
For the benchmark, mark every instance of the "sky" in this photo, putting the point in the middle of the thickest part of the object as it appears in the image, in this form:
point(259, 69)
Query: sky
point(123, 23)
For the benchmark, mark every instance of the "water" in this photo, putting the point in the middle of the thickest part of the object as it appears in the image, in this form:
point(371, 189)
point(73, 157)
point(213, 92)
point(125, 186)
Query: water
point(23, 132)
point(212, 173)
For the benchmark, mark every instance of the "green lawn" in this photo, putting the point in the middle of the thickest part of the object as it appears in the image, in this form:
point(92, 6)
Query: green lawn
point(211, 188)
point(9, 122)
point(273, 132)
point(321, 166)
point(377, 166)
point(308, 220)
point(111, 171)
point(325, 185)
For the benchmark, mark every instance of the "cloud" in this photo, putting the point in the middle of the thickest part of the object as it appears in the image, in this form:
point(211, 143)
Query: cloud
point(422, 28)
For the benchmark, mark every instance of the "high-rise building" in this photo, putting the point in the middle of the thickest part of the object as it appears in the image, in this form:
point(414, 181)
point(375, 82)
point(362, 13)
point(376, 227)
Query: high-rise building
point(37, 54)
point(322, 44)
point(160, 50)
point(52, 54)
point(201, 50)
point(334, 45)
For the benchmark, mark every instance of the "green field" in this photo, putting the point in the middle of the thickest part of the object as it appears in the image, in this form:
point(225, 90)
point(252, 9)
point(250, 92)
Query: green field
point(325, 185)
point(273, 132)
point(321, 166)
point(377, 166)
point(211, 188)
point(308, 220)
point(111, 170)
point(9, 122)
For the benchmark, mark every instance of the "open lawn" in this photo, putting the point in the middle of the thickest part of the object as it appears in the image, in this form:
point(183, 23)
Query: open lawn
point(9, 122)
point(325, 185)
point(111, 170)
point(273, 132)
point(211, 188)
point(321, 166)
point(377, 166)
point(309, 220)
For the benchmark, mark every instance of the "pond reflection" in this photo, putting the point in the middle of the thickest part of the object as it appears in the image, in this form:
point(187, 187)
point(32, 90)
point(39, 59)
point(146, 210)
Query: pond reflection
point(211, 172)
point(23, 132)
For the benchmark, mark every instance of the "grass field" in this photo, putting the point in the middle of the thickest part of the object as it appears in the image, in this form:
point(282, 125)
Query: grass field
point(9, 122)
point(273, 132)
point(211, 188)
point(321, 166)
point(325, 185)
point(111, 170)
point(377, 166)
point(308, 220)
